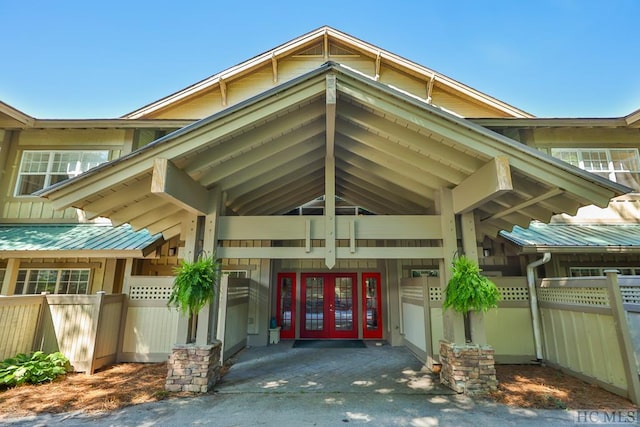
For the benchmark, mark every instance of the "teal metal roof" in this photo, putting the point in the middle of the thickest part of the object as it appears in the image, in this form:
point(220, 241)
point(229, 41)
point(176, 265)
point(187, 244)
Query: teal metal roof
point(73, 237)
point(556, 237)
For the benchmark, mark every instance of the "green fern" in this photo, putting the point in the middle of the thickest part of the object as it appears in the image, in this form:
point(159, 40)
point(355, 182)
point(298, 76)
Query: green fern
point(468, 290)
point(194, 285)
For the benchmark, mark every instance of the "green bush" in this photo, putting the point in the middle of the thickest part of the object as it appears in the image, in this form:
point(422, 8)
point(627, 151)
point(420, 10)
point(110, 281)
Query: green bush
point(34, 368)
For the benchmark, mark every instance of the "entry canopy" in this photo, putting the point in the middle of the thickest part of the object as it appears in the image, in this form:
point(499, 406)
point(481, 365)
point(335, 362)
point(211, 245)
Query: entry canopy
point(385, 150)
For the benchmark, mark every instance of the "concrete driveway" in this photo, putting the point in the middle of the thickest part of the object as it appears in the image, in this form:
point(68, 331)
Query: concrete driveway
point(283, 386)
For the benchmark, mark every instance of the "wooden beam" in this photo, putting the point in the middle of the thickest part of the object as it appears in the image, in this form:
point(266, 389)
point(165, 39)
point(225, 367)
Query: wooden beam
point(432, 80)
point(274, 66)
point(330, 175)
point(223, 92)
point(342, 253)
point(325, 46)
point(452, 323)
point(485, 184)
point(173, 184)
point(552, 193)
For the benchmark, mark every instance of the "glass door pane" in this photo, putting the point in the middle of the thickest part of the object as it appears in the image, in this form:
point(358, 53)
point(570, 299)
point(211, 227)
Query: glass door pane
point(286, 314)
point(371, 303)
point(314, 304)
point(343, 304)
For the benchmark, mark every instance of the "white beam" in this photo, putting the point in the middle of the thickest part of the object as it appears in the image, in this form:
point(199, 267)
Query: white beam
point(274, 67)
point(223, 92)
point(386, 149)
point(369, 227)
point(342, 253)
point(552, 193)
point(262, 160)
point(220, 150)
point(487, 183)
point(176, 186)
point(119, 196)
point(330, 176)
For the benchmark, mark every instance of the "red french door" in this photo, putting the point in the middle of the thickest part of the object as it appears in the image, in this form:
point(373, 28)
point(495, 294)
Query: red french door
point(328, 306)
point(371, 306)
point(286, 315)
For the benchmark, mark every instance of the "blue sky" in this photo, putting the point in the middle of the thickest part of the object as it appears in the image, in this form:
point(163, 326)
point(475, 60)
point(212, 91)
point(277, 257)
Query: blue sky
point(90, 59)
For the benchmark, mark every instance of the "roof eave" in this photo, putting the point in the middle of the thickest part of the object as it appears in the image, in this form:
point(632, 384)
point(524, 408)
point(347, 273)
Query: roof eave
point(16, 114)
point(533, 249)
point(86, 253)
point(292, 45)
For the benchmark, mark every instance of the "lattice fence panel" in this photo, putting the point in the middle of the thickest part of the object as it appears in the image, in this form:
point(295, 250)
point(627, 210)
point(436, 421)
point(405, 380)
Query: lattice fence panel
point(149, 293)
point(594, 297)
point(514, 293)
point(630, 294)
point(435, 293)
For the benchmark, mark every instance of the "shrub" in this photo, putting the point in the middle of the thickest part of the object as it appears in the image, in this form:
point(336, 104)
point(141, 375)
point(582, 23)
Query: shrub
point(34, 368)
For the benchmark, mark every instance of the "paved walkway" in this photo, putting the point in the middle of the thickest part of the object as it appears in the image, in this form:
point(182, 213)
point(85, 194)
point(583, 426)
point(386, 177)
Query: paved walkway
point(375, 369)
point(282, 386)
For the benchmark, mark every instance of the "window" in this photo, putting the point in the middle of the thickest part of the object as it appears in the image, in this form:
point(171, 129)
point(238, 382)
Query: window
point(63, 281)
point(40, 169)
point(621, 165)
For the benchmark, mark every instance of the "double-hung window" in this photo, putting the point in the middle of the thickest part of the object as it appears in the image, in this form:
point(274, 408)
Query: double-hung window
point(41, 169)
point(53, 281)
point(621, 165)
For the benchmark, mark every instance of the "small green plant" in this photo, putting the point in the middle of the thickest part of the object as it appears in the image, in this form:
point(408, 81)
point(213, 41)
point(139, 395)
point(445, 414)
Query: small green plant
point(468, 291)
point(194, 284)
point(34, 368)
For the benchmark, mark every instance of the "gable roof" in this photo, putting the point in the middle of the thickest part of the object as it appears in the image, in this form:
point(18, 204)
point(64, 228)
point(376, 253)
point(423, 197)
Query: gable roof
point(325, 37)
point(11, 117)
point(392, 154)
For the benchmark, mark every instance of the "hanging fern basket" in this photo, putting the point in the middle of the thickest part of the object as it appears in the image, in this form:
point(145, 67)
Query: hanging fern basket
point(194, 285)
point(469, 291)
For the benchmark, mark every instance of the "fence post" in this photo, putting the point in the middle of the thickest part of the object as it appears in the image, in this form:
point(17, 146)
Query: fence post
point(38, 335)
point(93, 339)
point(623, 335)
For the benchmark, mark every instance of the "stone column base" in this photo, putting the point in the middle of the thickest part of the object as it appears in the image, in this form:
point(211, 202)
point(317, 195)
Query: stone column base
point(194, 368)
point(468, 369)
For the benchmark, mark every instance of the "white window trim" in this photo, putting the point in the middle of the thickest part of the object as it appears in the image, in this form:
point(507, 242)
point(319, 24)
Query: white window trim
point(611, 171)
point(60, 271)
point(49, 172)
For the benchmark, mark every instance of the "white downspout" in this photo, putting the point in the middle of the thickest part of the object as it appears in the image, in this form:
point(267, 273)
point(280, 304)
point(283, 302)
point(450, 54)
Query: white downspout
point(533, 301)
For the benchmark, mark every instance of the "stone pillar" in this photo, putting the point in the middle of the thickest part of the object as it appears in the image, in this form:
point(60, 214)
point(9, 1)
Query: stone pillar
point(467, 368)
point(194, 368)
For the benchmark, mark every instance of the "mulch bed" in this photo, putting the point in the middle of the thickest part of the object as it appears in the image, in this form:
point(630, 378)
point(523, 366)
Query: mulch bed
point(524, 386)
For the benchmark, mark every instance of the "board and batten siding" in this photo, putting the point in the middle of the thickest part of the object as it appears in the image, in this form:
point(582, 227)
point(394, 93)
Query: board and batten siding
point(27, 207)
point(259, 80)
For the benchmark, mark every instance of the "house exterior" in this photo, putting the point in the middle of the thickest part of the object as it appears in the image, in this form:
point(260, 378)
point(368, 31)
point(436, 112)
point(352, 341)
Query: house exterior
point(329, 172)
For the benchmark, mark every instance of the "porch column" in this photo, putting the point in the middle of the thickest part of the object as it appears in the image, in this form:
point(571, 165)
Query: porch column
point(192, 247)
point(10, 277)
point(330, 175)
point(452, 322)
point(470, 248)
point(208, 316)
